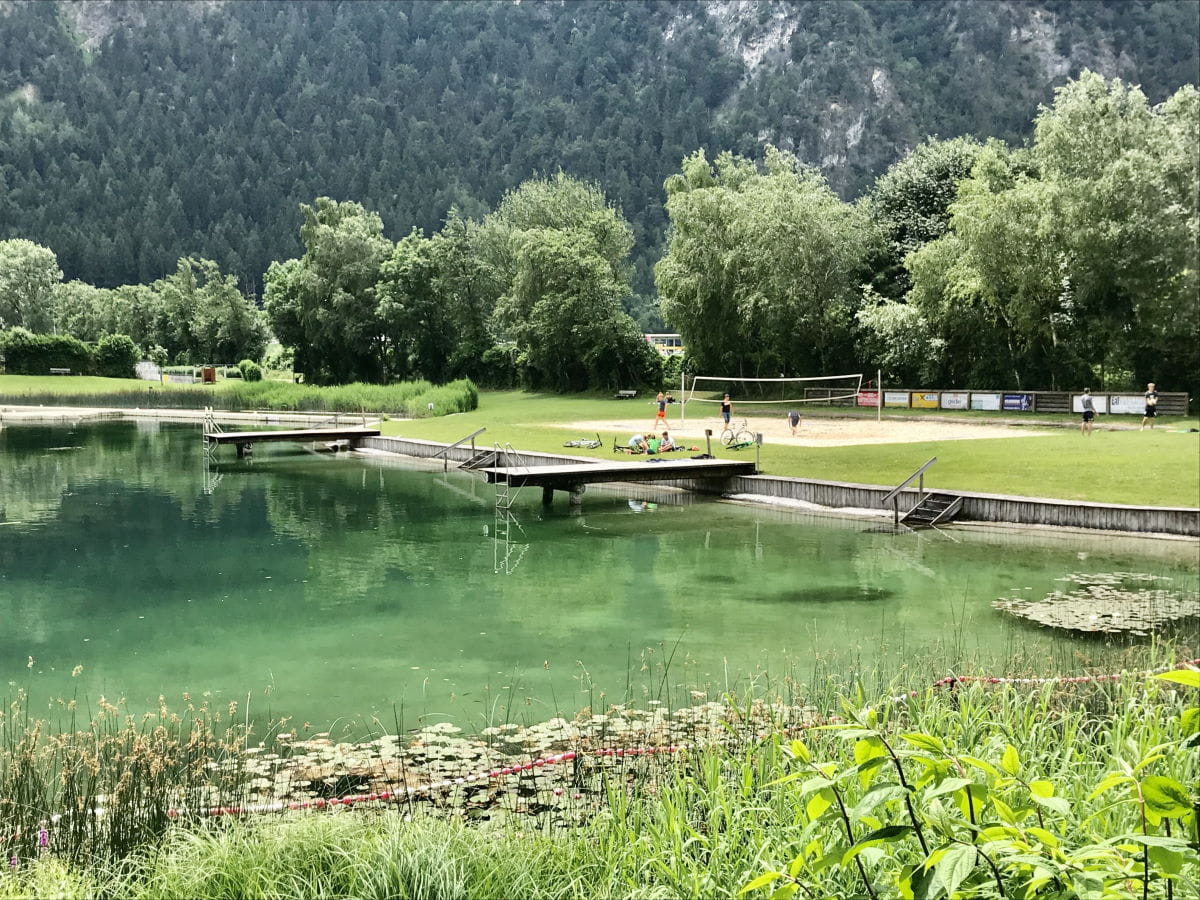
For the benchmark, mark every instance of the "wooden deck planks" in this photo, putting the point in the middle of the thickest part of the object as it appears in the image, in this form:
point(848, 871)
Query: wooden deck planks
point(562, 476)
point(300, 434)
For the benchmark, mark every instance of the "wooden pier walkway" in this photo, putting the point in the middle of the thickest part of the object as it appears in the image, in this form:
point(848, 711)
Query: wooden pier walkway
point(244, 439)
point(574, 478)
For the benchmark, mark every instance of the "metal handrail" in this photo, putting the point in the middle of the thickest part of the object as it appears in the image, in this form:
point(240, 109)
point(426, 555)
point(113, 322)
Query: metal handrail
point(470, 437)
point(891, 495)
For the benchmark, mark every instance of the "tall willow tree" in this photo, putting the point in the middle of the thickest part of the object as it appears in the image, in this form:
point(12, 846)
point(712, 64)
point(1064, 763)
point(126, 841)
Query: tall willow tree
point(324, 304)
point(1078, 257)
point(763, 267)
point(558, 254)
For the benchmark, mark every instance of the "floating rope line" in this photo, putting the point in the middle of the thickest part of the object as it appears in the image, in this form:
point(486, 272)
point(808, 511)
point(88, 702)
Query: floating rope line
point(952, 680)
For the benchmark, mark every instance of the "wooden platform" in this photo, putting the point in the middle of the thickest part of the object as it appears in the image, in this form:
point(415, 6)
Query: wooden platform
point(244, 439)
point(573, 478)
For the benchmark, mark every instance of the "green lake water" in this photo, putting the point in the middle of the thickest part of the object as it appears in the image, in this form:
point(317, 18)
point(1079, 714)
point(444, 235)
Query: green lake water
point(340, 587)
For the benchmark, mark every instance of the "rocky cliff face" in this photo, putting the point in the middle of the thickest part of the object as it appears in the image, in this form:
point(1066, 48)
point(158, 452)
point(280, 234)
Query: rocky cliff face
point(844, 89)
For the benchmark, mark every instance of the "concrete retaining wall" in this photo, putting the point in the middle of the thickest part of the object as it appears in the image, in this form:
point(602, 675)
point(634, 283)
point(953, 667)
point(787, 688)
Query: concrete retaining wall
point(838, 494)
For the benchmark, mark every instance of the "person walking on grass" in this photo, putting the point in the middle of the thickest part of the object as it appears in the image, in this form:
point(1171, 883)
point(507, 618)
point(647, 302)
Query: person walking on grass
point(1089, 412)
point(661, 418)
point(1151, 406)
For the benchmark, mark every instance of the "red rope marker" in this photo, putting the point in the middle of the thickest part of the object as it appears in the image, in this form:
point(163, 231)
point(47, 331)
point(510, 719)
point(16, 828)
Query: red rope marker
point(570, 755)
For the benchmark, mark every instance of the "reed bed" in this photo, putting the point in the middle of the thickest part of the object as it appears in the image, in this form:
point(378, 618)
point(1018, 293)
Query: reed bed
point(409, 399)
point(1048, 791)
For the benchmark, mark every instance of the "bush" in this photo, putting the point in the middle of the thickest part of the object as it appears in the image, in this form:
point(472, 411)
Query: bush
point(117, 356)
point(406, 399)
point(251, 371)
point(26, 353)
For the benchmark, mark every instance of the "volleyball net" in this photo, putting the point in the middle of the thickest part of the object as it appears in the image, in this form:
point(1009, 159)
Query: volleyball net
point(770, 396)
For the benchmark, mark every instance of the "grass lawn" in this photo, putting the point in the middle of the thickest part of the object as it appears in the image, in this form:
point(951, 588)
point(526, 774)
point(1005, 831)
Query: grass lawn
point(17, 385)
point(1160, 467)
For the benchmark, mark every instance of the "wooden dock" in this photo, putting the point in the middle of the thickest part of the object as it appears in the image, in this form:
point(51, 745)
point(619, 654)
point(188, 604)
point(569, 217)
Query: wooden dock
point(574, 478)
point(246, 439)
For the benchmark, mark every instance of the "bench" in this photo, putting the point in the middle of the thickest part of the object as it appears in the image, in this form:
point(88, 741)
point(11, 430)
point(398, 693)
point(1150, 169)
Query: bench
point(60, 371)
point(626, 395)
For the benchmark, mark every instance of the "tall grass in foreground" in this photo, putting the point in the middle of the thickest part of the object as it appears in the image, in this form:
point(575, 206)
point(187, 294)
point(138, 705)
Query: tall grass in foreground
point(92, 787)
point(983, 791)
point(408, 399)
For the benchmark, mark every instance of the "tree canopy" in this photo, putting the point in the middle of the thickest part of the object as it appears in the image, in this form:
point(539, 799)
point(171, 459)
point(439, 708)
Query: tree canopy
point(763, 267)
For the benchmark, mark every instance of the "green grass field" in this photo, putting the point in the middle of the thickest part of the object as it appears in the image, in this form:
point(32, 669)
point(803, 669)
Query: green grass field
point(1160, 467)
point(18, 385)
point(1115, 465)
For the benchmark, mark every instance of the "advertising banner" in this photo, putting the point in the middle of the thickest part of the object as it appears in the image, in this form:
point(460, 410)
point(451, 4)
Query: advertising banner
point(925, 400)
point(1018, 402)
point(895, 398)
point(868, 398)
point(955, 400)
point(1100, 404)
point(985, 401)
point(1127, 404)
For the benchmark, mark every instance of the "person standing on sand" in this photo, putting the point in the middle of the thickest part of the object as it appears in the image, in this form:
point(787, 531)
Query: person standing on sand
point(726, 409)
point(1151, 406)
point(794, 421)
point(1089, 411)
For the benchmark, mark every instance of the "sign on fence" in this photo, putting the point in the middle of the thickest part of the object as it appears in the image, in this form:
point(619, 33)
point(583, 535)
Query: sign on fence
point(985, 401)
point(868, 398)
point(895, 398)
point(1022, 402)
point(926, 400)
point(1100, 404)
point(1127, 404)
point(955, 400)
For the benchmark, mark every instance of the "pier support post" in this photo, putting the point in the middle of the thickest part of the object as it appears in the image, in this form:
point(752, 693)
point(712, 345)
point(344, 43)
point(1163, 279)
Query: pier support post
point(547, 495)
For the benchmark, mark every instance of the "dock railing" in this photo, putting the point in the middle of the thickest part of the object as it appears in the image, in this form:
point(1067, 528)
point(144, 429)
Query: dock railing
point(470, 437)
point(893, 496)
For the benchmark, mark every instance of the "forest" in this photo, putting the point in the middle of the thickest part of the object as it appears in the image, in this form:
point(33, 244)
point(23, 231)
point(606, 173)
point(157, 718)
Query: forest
point(439, 190)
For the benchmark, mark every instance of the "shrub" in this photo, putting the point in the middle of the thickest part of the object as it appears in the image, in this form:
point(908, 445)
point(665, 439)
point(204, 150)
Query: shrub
point(116, 356)
point(407, 399)
point(251, 371)
point(26, 353)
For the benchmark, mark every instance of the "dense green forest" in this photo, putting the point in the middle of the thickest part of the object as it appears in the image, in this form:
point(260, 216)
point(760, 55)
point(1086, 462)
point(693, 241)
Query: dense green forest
point(134, 134)
point(491, 190)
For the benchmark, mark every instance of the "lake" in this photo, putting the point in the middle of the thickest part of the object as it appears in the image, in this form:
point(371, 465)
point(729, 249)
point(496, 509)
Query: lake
point(334, 589)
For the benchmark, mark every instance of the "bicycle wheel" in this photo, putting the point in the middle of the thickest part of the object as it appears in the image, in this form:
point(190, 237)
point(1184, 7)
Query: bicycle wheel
point(745, 437)
point(727, 436)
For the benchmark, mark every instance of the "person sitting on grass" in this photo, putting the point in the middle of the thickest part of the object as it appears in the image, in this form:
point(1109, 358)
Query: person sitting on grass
point(653, 444)
point(637, 444)
point(666, 445)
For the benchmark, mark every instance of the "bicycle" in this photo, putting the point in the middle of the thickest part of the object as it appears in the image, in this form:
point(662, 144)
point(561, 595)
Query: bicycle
point(737, 434)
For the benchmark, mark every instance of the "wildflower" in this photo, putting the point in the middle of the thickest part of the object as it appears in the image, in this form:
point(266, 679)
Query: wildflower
point(13, 862)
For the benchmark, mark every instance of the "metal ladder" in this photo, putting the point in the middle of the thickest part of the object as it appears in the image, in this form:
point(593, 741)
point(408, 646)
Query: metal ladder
point(507, 559)
point(210, 426)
